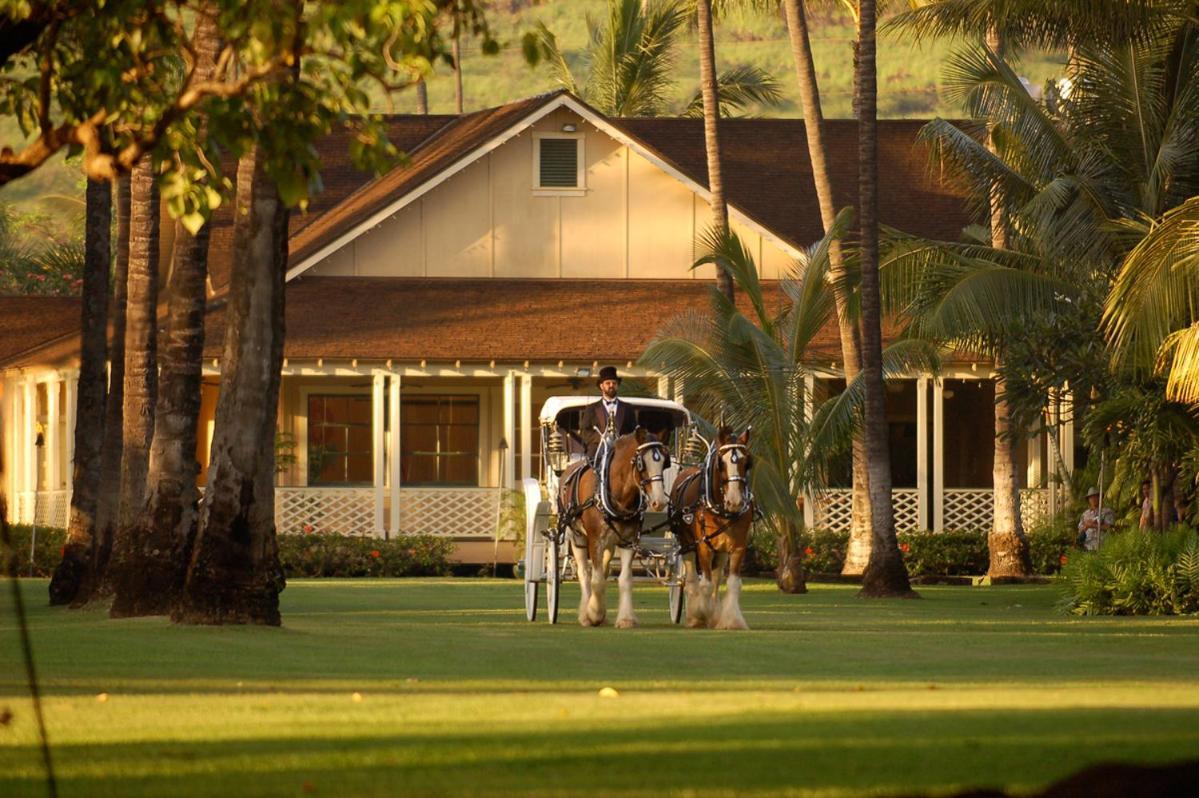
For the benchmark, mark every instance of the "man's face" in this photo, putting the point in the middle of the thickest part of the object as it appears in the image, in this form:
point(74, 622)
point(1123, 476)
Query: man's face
point(1146, 490)
point(608, 388)
point(1093, 501)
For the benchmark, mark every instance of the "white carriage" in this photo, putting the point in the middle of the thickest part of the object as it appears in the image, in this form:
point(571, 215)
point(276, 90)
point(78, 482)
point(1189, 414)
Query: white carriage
point(546, 560)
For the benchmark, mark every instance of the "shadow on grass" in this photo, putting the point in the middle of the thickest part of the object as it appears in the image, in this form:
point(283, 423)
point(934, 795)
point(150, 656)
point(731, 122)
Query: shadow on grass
point(889, 753)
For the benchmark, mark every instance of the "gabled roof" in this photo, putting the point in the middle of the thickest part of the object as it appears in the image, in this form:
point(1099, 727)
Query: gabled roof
point(28, 323)
point(768, 177)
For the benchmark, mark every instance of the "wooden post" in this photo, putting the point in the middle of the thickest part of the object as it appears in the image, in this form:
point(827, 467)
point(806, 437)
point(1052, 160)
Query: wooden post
point(938, 455)
point(526, 425)
point(53, 439)
point(72, 399)
point(393, 407)
point(922, 453)
point(377, 407)
point(29, 446)
point(664, 387)
point(508, 450)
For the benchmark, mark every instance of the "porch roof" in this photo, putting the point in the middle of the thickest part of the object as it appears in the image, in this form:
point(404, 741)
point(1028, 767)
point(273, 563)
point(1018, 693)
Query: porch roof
point(28, 323)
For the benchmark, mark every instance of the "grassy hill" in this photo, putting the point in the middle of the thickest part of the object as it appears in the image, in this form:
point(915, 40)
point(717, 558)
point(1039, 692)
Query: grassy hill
point(909, 80)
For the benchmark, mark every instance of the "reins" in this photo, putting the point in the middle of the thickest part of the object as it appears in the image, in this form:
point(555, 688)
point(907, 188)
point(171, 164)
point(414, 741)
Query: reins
point(708, 502)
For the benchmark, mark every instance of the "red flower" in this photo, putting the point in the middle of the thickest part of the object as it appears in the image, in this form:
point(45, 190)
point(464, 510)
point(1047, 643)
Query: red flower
point(307, 529)
point(905, 548)
point(375, 553)
point(63, 553)
point(808, 552)
point(1063, 559)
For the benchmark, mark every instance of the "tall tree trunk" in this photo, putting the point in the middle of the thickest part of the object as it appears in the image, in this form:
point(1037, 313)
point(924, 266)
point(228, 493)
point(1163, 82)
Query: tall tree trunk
point(458, 98)
point(857, 554)
point(114, 405)
point(160, 538)
point(141, 372)
point(422, 97)
point(707, 85)
point(1007, 544)
point(73, 578)
point(233, 573)
point(885, 575)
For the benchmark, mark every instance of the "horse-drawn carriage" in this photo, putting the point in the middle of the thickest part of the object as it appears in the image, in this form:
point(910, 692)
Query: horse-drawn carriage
point(619, 505)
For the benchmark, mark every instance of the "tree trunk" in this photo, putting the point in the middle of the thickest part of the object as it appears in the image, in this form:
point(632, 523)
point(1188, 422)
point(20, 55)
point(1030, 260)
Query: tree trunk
point(141, 373)
point(791, 575)
point(707, 85)
point(857, 554)
point(458, 97)
point(885, 575)
point(233, 571)
point(114, 405)
point(72, 580)
point(1007, 544)
point(161, 537)
point(422, 97)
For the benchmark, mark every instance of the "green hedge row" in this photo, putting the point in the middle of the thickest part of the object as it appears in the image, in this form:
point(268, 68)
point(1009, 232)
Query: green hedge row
point(301, 555)
point(924, 553)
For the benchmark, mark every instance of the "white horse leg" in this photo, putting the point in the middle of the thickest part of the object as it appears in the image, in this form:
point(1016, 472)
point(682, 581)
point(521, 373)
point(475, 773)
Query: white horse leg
point(695, 594)
point(730, 610)
point(718, 560)
point(583, 571)
point(625, 617)
point(597, 609)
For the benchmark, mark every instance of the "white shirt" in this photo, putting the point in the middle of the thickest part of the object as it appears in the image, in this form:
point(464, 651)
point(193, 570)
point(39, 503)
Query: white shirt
point(610, 407)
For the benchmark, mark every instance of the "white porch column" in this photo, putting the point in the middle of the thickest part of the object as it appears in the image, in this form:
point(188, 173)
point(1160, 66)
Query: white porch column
point(393, 409)
point(72, 399)
point(1035, 467)
point(526, 426)
point(664, 387)
point(1068, 434)
point(53, 439)
point(922, 493)
point(377, 406)
point(809, 410)
point(508, 444)
point(938, 455)
point(29, 446)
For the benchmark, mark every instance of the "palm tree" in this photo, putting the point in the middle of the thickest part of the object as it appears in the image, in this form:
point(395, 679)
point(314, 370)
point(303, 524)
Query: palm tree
point(858, 552)
point(885, 574)
point(72, 578)
point(233, 573)
point(141, 372)
point(168, 519)
point(630, 59)
point(711, 110)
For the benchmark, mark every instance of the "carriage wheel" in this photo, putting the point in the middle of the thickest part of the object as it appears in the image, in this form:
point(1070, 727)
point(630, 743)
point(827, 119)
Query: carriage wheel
point(553, 580)
point(530, 600)
point(675, 588)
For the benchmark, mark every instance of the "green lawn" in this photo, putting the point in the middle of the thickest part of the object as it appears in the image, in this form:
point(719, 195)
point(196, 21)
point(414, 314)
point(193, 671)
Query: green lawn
point(458, 694)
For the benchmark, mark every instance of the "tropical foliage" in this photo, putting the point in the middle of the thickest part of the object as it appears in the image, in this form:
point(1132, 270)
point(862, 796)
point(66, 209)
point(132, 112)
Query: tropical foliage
point(34, 264)
point(629, 66)
point(1136, 573)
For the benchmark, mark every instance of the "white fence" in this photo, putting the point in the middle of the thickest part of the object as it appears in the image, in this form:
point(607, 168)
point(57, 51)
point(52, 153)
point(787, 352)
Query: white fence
point(834, 509)
point(450, 512)
point(962, 508)
point(454, 512)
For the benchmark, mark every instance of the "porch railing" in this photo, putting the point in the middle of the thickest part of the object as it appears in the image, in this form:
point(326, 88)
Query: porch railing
point(834, 509)
point(962, 508)
point(449, 512)
point(452, 512)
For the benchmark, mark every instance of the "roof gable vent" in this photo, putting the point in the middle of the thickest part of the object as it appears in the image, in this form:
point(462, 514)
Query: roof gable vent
point(558, 163)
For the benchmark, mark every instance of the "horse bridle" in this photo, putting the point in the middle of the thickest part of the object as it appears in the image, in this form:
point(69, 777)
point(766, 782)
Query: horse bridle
point(717, 453)
point(659, 451)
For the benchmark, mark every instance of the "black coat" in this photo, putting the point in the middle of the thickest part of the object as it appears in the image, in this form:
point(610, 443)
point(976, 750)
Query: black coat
point(594, 415)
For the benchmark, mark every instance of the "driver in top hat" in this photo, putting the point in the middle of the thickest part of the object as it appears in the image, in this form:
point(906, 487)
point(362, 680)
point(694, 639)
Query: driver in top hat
point(596, 414)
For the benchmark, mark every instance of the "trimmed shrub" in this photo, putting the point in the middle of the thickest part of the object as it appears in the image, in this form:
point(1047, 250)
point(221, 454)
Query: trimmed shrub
point(47, 551)
point(1135, 573)
point(1051, 543)
point(317, 555)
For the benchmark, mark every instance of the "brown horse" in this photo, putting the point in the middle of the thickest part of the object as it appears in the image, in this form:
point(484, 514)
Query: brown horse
point(603, 507)
point(711, 513)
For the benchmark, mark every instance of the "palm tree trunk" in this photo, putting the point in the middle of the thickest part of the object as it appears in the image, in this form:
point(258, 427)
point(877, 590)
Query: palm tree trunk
point(72, 580)
point(233, 571)
point(458, 96)
point(110, 452)
point(141, 373)
point(707, 84)
point(160, 538)
point(885, 575)
point(422, 97)
point(1008, 547)
point(857, 554)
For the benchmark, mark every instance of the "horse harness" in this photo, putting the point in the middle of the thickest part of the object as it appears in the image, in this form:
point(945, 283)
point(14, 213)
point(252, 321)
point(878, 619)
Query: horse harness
point(707, 495)
point(601, 498)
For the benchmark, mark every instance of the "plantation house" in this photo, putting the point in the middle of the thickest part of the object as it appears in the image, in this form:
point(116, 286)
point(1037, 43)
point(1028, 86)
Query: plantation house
point(430, 312)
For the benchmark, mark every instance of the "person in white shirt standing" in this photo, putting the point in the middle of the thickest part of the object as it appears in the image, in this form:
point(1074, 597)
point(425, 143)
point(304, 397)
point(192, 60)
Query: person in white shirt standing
point(596, 415)
point(1095, 523)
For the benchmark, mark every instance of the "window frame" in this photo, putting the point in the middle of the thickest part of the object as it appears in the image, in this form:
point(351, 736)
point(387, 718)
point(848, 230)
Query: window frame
point(580, 187)
point(405, 425)
point(350, 394)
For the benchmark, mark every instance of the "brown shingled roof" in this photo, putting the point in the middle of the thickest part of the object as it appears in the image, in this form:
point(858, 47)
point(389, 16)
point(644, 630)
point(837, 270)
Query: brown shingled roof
point(29, 322)
point(477, 320)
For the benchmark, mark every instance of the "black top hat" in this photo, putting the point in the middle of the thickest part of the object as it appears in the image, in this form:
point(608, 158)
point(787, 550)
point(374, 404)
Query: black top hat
point(608, 373)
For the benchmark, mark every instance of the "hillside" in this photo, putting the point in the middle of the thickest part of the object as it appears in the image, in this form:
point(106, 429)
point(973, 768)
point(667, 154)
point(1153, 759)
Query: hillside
point(909, 80)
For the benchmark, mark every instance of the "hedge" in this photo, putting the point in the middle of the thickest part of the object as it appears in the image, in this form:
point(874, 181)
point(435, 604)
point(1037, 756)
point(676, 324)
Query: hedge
point(1136, 572)
point(313, 555)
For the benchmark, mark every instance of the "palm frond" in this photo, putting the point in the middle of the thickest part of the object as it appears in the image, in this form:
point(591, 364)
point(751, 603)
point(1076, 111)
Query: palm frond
point(547, 47)
point(727, 251)
point(737, 90)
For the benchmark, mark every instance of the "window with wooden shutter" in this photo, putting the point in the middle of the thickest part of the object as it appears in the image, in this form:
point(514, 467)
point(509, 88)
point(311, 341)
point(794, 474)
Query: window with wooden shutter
point(558, 165)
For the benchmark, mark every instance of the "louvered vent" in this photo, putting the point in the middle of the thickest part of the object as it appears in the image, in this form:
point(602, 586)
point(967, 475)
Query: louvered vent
point(559, 166)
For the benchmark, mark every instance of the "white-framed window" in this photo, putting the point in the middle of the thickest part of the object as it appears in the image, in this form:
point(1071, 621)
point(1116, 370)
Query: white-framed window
point(558, 164)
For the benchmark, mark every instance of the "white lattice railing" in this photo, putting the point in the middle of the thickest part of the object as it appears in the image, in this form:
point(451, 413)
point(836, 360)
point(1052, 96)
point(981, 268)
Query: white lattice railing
point(453, 512)
point(834, 509)
point(341, 511)
point(967, 509)
point(1034, 505)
